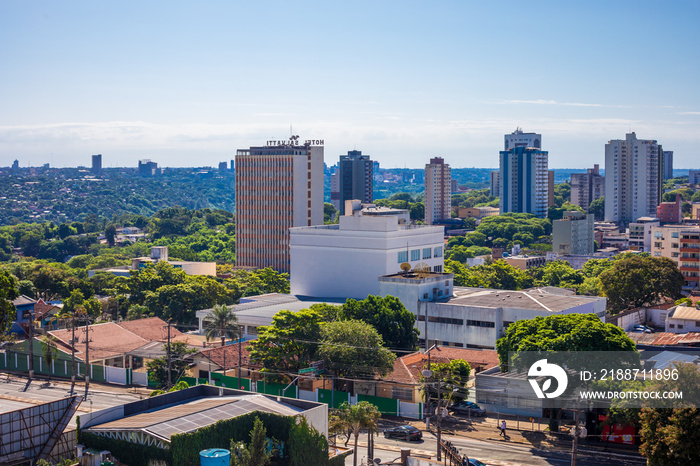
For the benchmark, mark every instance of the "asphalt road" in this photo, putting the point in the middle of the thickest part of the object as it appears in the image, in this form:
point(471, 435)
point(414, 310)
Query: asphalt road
point(492, 453)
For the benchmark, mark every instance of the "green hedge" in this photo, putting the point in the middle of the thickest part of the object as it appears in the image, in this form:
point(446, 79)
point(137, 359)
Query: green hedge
point(185, 448)
point(127, 452)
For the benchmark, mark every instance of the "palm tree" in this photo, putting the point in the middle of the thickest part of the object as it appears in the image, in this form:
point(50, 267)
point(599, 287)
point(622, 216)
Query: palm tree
point(221, 323)
point(50, 350)
point(363, 415)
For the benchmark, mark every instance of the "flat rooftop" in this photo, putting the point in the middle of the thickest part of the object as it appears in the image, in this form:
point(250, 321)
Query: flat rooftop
point(193, 415)
point(535, 300)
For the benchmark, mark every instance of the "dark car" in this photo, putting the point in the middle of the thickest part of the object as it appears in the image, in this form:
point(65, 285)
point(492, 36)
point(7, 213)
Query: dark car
point(404, 432)
point(468, 407)
point(473, 462)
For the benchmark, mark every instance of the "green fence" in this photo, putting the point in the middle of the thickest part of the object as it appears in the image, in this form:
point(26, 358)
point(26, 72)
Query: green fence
point(231, 382)
point(335, 397)
point(385, 405)
point(277, 389)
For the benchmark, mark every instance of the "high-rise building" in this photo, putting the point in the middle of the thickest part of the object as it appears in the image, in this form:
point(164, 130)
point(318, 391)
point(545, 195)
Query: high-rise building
point(223, 166)
point(148, 168)
point(438, 191)
point(97, 163)
point(278, 186)
point(587, 187)
point(353, 180)
point(550, 188)
point(633, 178)
point(495, 183)
point(668, 164)
point(573, 234)
point(519, 139)
point(524, 181)
point(694, 176)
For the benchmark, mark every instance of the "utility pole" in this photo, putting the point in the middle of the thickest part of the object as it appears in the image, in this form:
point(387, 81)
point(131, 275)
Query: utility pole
point(240, 354)
point(72, 349)
point(87, 355)
point(439, 418)
point(574, 446)
point(168, 383)
point(31, 344)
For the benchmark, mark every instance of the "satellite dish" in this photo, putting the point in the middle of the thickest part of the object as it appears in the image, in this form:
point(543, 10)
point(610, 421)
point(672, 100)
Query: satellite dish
point(405, 266)
point(422, 267)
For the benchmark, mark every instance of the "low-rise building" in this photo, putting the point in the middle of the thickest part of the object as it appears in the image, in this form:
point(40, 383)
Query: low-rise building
point(477, 317)
point(670, 212)
point(526, 262)
point(682, 245)
point(683, 319)
point(158, 254)
point(640, 233)
point(345, 260)
point(573, 234)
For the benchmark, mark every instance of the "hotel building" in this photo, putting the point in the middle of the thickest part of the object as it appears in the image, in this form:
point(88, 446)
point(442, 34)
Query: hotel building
point(278, 186)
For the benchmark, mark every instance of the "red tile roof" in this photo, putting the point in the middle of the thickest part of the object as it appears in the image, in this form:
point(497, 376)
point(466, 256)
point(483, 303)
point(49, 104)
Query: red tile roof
point(106, 341)
point(407, 369)
point(151, 328)
point(43, 310)
point(231, 351)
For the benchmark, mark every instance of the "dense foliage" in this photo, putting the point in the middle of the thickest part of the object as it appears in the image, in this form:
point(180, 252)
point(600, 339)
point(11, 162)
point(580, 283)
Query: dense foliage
point(568, 332)
point(69, 195)
point(640, 279)
point(291, 342)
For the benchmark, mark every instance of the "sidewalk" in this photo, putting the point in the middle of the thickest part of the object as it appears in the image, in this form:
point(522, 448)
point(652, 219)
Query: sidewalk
point(488, 429)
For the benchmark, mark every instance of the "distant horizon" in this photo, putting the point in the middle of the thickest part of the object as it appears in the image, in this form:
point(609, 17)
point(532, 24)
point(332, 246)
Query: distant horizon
point(400, 81)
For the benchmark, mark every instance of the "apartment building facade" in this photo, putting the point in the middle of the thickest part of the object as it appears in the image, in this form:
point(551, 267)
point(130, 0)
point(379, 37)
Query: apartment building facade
point(438, 191)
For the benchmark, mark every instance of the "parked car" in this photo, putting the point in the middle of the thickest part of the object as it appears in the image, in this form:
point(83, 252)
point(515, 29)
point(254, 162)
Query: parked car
point(473, 462)
point(467, 407)
point(642, 329)
point(404, 432)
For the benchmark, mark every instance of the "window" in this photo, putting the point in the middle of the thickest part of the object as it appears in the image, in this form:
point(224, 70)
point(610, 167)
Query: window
point(680, 326)
point(669, 326)
point(479, 323)
point(415, 255)
point(437, 268)
point(674, 234)
point(438, 251)
point(402, 393)
point(697, 323)
point(674, 245)
point(426, 253)
point(445, 320)
point(402, 256)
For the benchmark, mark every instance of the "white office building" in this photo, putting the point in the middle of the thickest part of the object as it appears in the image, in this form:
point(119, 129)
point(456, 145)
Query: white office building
point(477, 317)
point(345, 260)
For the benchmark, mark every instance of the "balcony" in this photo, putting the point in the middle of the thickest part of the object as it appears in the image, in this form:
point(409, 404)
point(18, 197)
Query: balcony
point(686, 248)
point(689, 259)
point(684, 268)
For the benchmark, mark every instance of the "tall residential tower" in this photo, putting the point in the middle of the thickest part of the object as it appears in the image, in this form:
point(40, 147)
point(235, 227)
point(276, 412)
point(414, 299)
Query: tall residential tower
point(353, 180)
point(633, 178)
point(587, 187)
point(278, 186)
point(438, 191)
point(524, 181)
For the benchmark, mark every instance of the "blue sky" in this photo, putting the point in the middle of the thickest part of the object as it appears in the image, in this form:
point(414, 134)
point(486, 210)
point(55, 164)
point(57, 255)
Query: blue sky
point(188, 83)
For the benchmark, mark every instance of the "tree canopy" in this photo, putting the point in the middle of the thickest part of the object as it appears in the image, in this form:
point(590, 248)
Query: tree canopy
point(640, 279)
point(8, 292)
point(354, 349)
point(567, 332)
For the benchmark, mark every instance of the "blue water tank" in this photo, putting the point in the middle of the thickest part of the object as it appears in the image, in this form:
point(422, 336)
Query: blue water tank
point(215, 457)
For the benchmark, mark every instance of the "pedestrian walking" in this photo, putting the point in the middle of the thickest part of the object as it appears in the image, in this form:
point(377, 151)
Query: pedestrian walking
point(503, 428)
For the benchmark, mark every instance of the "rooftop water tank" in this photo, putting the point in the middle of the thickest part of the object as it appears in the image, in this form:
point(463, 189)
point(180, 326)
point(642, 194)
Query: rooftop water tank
point(215, 457)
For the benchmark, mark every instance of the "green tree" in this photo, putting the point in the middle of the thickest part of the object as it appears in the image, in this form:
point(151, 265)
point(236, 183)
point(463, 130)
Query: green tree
point(158, 367)
point(670, 436)
point(8, 292)
point(568, 332)
point(353, 349)
point(329, 213)
point(110, 234)
point(288, 343)
point(358, 417)
point(452, 377)
point(557, 273)
point(597, 208)
point(222, 322)
point(388, 316)
point(307, 446)
point(257, 453)
point(49, 350)
point(641, 279)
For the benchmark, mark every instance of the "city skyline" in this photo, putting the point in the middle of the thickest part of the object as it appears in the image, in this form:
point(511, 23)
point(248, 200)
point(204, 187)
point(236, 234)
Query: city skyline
point(405, 82)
